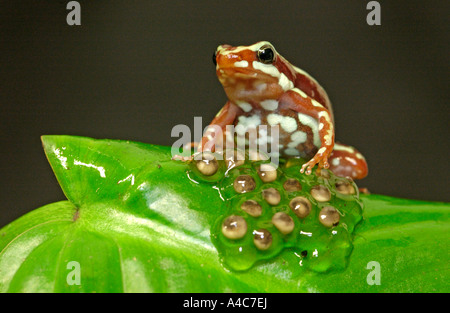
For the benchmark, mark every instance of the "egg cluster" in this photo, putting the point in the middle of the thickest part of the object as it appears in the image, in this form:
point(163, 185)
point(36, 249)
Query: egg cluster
point(269, 208)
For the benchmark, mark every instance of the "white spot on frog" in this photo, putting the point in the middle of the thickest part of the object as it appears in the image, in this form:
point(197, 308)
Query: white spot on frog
point(300, 92)
point(348, 149)
point(304, 95)
point(325, 115)
point(245, 123)
point(359, 156)
point(266, 68)
point(297, 138)
point(260, 86)
point(262, 136)
point(289, 124)
point(321, 150)
point(269, 104)
point(285, 83)
point(291, 151)
point(242, 63)
point(262, 132)
point(246, 107)
point(312, 123)
point(335, 162)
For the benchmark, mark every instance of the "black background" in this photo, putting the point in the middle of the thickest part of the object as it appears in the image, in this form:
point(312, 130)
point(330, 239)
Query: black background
point(135, 69)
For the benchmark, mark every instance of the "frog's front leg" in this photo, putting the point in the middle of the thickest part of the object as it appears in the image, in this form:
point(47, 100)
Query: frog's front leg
point(298, 101)
point(215, 132)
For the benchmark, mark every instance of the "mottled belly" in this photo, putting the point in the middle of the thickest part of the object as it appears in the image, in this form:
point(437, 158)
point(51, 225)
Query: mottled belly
point(297, 133)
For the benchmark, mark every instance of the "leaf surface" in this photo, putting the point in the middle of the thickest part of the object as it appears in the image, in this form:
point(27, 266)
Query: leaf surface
point(135, 222)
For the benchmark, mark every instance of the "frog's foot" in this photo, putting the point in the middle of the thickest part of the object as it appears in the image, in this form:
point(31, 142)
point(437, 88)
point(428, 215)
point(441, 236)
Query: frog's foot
point(364, 190)
point(182, 158)
point(187, 147)
point(320, 158)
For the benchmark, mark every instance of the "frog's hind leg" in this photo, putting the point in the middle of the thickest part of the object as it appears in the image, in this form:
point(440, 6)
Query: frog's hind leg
point(346, 161)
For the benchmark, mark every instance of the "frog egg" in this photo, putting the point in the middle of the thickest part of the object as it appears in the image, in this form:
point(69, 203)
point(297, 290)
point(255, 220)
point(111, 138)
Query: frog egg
point(234, 158)
point(300, 206)
point(252, 207)
point(207, 165)
point(234, 227)
point(291, 184)
point(321, 193)
point(267, 173)
point(244, 183)
point(262, 239)
point(323, 173)
point(345, 188)
point(283, 222)
point(272, 196)
point(329, 216)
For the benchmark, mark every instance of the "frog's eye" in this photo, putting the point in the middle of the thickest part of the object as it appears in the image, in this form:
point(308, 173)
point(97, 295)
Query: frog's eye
point(214, 58)
point(266, 54)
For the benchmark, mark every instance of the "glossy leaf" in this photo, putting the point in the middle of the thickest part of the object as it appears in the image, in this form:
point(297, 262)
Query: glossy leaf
point(135, 222)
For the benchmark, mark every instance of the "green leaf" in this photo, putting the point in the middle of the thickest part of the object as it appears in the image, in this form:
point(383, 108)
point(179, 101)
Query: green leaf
point(135, 221)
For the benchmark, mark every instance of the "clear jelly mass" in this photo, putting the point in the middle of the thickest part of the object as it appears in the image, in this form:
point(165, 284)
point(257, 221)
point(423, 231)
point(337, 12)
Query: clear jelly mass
point(270, 209)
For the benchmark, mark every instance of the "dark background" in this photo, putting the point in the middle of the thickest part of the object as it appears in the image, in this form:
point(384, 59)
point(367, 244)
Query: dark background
point(135, 69)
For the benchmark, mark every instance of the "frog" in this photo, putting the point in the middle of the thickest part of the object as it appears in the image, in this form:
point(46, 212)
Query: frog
point(263, 88)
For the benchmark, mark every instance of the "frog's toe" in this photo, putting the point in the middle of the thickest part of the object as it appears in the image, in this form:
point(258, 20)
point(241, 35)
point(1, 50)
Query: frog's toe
point(321, 161)
point(182, 158)
point(364, 190)
point(307, 167)
point(324, 163)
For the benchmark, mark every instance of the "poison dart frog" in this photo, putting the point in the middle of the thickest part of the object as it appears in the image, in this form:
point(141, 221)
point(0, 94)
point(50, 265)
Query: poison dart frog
point(263, 88)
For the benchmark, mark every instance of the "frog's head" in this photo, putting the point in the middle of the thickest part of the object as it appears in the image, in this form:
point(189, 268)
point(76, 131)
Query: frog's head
point(253, 73)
